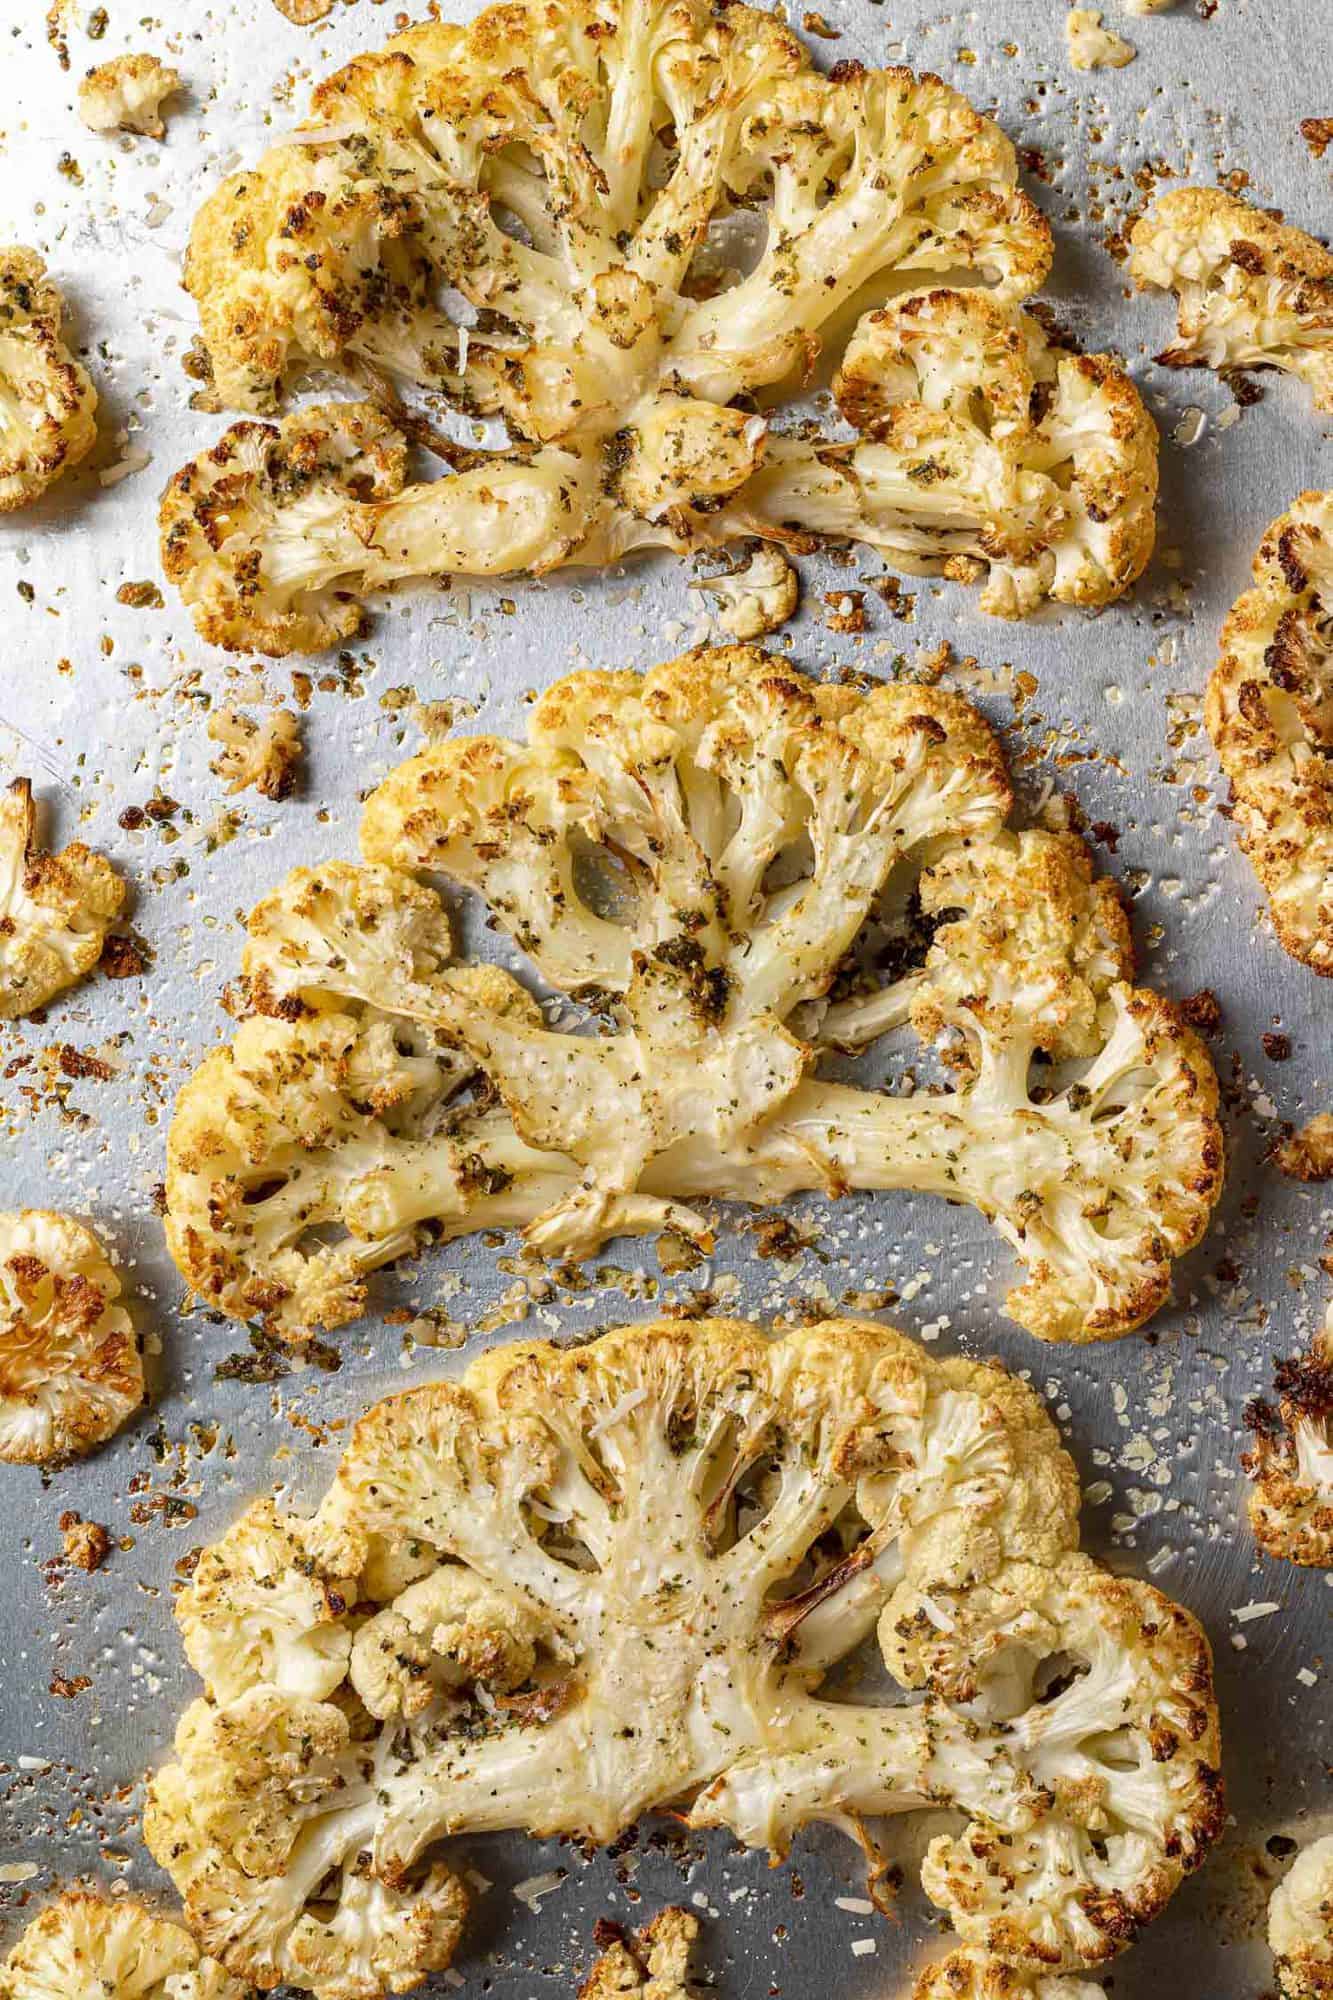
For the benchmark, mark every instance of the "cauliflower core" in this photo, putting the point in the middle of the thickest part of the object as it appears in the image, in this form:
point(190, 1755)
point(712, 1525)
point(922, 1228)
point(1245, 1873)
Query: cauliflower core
point(1251, 292)
point(638, 214)
point(70, 1372)
point(632, 1566)
point(654, 1962)
point(1300, 1924)
point(693, 853)
point(1269, 711)
point(1291, 1462)
point(47, 400)
point(86, 1947)
point(126, 95)
point(55, 909)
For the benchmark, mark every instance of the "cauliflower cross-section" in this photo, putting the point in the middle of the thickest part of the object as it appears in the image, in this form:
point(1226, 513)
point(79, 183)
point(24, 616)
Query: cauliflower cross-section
point(1269, 711)
point(70, 1370)
point(644, 1557)
point(1291, 1460)
point(47, 400)
point(89, 1947)
point(639, 213)
point(1300, 1924)
point(55, 909)
point(1251, 292)
point(694, 854)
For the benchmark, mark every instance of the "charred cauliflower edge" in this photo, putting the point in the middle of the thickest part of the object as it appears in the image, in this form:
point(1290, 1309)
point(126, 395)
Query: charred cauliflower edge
point(580, 1584)
point(617, 325)
point(746, 823)
point(1269, 711)
point(47, 400)
point(91, 1947)
point(1300, 1924)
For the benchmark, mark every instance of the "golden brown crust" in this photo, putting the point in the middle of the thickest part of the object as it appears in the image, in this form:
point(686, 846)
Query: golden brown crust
point(70, 1369)
point(48, 396)
point(653, 1962)
point(1291, 1458)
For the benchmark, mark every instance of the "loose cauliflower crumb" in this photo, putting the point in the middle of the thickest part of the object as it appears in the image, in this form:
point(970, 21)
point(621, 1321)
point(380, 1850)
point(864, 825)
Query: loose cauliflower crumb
point(55, 909)
point(85, 1545)
point(87, 1947)
point(304, 13)
point(618, 336)
point(1269, 711)
point(1291, 1463)
point(1251, 292)
point(653, 1962)
point(1308, 1154)
point(70, 1371)
point(264, 754)
point(695, 852)
point(47, 400)
point(642, 1558)
point(1300, 1924)
point(126, 95)
point(756, 597)
point(1090, 45)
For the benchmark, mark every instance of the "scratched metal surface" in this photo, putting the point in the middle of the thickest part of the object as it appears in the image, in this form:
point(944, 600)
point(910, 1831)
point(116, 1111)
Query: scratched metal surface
point(104, 704)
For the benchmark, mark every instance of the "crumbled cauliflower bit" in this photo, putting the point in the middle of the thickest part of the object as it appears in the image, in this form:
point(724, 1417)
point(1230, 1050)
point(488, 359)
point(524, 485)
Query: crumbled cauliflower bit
point(1090, 45)
point(264, 754)
point(304, 13)
point(70, 1370)
point(1308, 1154)
point(1291, 1461)
point(55, 909)
point(1300, 1924)
point(332, 1135)
point(653, 1962)
point(126, 95)
point(1250, 292)
point(756, 597)
point(979, 1975)
point(47, 400)
point(1269, 711)
point(652, 1550)
point(88, 1947)
point(85, 1545)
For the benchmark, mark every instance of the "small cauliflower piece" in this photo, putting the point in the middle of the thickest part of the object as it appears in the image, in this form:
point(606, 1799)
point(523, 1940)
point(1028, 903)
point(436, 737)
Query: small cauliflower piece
point(55, 909)
point(264, 754)
point(697, 851)
point(70, 1370)
point(126, 95)
point(758, 596)
point(1291, 1460)
point(1251, 292)
point(1269, 711)
point(653, 1962)
point(47, 399)
point(1308, 1154)
point(89, 1947)
point(653, 1549)
point(1092, 46)
point(1300, 1924)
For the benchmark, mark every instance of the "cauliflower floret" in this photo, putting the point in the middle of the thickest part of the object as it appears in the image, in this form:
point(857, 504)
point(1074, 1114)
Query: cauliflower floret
point(653, 1962)
point(70, 1369)
point(1269, 711)
point(126, 95)
point(1092, 46)
point(672, 1534)
point(1251, 292)
point(1291, 1461)
point(612, 333)
point(756, 597)
point(696, 852)
point(47, 400)
point(55, 909)
point(86, 1947)
point(1300, 1924)
point(258, 1608)
point(266, 755)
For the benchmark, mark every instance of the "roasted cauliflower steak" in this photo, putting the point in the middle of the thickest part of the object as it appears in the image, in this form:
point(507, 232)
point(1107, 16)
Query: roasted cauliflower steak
point(47, 399)
point(1251, 292)
point(55, 909)
point(642, 214)
point(1269, 711)
point(70, 1368)
point(90, 1947)
point(1300, 1924)
point(643, 1556)
point(1291, 1458)
point(692, 854)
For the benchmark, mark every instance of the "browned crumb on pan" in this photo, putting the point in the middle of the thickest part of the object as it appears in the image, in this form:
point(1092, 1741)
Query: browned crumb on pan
point(1308, 1154)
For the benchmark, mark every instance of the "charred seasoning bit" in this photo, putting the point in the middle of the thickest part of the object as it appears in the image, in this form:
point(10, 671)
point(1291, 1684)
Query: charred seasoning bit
point(79, 1063)
point(123, 957)
point(708, 985)
point(1318, 135)
point(1201, 1011)
point(140, 596)
point(66, 1689)
point(1277, 1047)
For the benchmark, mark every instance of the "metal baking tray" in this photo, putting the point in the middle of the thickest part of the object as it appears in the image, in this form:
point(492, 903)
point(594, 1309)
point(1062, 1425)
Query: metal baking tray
point(103, 705)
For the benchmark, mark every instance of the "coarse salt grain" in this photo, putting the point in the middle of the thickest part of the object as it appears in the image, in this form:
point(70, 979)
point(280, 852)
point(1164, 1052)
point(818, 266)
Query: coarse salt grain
point(862, 1947)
